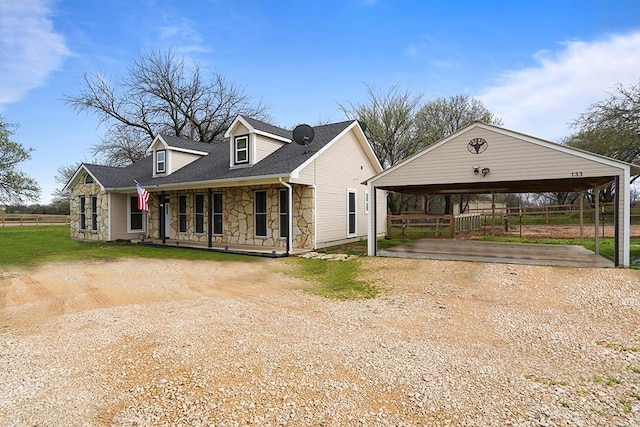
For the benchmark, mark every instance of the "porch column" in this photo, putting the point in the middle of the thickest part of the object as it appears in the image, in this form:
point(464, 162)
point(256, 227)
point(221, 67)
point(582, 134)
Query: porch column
point(616, 222)
point(210, 219)
point(596, 220)
point(372, 232)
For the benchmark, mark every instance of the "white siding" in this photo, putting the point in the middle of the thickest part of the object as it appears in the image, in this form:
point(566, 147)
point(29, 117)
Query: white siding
point(180, 160)
point(119, 217)
point(264, 146)
point(381, 226)
point(240, 129)
point(342, 166)
point(508, 158)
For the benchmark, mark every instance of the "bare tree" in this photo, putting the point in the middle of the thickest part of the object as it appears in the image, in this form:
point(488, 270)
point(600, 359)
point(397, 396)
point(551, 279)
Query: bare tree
point(398, 126)
point(389, 123)
point(389, 120)
point(441, 117)
point(611, 127)
point(60, 199)
point(160, 93)
point(121, 145)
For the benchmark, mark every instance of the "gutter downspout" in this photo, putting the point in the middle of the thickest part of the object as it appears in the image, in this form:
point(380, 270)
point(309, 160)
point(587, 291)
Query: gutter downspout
point(290, 214)
point(162, 218)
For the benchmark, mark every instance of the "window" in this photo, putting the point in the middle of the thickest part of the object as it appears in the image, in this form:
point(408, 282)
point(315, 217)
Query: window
point(83, 213)
point(366, 202)
point(199, 214)
point(182, 213)
point(160, 161)
point(94, 213)
point(217, 213)
point(241, 150)
point(261, 213)
point(283, 208)
point(351, 212)
point(135, 215)
point(88, 179)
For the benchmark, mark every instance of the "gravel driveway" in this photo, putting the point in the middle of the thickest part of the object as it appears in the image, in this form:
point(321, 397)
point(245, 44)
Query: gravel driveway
point(150, 342)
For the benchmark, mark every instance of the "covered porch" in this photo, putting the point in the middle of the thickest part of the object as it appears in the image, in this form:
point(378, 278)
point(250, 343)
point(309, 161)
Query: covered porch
point(255, 250)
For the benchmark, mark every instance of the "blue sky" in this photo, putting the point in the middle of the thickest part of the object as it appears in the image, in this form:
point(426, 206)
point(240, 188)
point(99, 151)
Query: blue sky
point(535, 64)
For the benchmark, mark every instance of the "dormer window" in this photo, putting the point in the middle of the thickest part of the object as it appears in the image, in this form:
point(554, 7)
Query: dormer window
point(241, 149)
point(160, 161)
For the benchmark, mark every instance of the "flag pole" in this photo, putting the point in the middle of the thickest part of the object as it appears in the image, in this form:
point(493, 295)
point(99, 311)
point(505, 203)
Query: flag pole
point(148, 211)
point(150, 195)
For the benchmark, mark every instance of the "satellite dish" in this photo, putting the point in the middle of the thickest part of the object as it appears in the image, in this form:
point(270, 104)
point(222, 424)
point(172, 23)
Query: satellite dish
point(303, 135)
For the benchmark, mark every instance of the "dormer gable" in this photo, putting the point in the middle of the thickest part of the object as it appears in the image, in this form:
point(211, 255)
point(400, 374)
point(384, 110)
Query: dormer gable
point(251, 140)
point(171, 153)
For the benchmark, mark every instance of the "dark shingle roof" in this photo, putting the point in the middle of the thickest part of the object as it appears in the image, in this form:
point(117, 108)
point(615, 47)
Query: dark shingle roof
point(266, 127)
point(215, 165)
point(184, 143)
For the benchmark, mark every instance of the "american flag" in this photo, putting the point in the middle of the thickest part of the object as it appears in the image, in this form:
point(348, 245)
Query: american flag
point(143, 198)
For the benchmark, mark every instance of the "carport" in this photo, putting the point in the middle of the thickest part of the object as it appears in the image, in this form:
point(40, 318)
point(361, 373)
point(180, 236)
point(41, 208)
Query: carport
point(484, 158)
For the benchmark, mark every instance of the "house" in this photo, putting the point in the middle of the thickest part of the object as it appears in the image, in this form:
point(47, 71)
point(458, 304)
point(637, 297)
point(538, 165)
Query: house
point(258, 190)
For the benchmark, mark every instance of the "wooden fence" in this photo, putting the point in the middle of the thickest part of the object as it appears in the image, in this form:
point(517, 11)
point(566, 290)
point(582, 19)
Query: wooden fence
point(551, 214)
point(431, 225)
point(20, 220)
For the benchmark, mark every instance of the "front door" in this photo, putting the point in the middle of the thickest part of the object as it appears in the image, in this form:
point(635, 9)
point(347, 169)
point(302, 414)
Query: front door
point(167, 217)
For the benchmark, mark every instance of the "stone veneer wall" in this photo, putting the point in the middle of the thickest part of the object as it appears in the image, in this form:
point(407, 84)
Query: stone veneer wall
point(238, 217)
point(88, 190)
point(304, 228)
point(153, 224)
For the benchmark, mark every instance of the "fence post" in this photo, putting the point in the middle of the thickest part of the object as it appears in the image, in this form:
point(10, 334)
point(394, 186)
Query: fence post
point(452, 226)
point(388, 226)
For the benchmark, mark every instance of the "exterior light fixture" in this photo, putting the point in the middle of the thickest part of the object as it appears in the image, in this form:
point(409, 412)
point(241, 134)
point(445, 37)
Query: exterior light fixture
point(485, 171)
point(476, 169)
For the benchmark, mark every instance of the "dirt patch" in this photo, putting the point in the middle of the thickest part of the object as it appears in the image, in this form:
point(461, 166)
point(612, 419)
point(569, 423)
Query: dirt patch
point(148, 342)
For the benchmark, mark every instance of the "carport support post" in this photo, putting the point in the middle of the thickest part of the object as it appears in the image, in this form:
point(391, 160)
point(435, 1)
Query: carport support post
point(596, 221)
point(581, 217)
point(372, 229)
point(493, 214)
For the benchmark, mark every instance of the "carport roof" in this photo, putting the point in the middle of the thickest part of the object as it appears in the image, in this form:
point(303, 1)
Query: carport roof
point(528, 186)
point(447, 185)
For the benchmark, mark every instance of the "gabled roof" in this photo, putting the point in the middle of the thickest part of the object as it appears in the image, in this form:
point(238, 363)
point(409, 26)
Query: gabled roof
point(215, 166)
point(260, 128)
point(635, 169)
point(266, 127)
point(181, 144)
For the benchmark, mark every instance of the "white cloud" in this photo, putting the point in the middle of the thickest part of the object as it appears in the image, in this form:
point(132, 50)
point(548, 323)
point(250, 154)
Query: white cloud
point(542, 100)
point(29, 47)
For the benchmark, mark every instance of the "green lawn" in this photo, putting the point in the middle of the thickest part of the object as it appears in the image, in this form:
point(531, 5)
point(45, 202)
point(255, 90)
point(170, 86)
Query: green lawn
point(29, 246)
point(332, 279)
